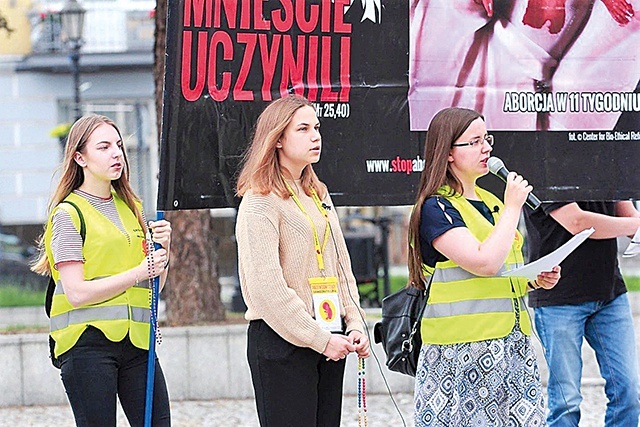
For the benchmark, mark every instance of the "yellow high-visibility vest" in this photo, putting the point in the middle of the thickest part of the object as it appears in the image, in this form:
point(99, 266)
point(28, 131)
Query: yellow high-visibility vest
point(106, 251)
point(463, 307)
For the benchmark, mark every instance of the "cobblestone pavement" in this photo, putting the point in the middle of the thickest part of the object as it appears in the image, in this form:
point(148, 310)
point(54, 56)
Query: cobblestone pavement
point(242, 413)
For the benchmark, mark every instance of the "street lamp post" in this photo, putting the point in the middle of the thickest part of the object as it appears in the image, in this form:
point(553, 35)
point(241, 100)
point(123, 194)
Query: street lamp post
point(72, 15)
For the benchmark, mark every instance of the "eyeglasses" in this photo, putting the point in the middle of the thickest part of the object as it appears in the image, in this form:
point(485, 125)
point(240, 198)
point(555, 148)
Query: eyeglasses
point(487, 138)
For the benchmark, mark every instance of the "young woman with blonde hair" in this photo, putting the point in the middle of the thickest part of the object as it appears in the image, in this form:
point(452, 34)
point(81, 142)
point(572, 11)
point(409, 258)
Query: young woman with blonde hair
point(295, 273)
point(476, 365)
point(94, 246)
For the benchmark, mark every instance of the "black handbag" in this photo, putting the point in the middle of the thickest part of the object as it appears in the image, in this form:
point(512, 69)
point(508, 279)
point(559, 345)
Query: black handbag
point(399, 329)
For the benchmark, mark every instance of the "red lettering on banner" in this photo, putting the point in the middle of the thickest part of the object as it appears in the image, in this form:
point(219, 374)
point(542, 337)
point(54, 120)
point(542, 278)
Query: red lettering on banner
point(230, 12)
point(315, 63)
point(198, 8)
point(208, 13)
point(222, 38)
point(201, 58)
point(312, 68)
point(345, 68)
point(283, 21)
point(259, 23)
point(240, 94)
point(245, 16)
point(292, 68)
point(325, 24)
point(312, 23)
point(269, 62)
point(339, 26)
point(326, 95)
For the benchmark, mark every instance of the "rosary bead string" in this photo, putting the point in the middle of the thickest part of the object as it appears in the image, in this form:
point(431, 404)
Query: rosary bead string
point(363, 421)
point(152, 297)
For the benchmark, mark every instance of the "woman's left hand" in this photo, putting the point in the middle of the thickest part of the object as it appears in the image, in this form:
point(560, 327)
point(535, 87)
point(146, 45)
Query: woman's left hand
point(161, 233)
point(361, 342)
point(548, 279)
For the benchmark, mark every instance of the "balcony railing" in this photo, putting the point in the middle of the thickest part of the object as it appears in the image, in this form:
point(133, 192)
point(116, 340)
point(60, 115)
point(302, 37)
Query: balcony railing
point(113, 30)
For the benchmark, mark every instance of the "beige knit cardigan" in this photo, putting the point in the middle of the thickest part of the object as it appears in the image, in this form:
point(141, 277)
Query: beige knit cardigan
point(276, 257)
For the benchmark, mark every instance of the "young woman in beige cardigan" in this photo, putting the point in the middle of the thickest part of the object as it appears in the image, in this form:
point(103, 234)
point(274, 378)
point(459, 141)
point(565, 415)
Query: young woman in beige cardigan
point(291, 253)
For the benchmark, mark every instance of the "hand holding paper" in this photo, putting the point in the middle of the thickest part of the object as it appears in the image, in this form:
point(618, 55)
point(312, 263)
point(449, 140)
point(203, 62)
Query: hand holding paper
point(547, 262)
point(634, 247)
point(547, 279)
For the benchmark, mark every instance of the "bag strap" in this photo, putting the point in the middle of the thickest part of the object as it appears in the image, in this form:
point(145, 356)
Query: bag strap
point(51, 287)
point(83, 228)
point(427, 290)
point(407, 345)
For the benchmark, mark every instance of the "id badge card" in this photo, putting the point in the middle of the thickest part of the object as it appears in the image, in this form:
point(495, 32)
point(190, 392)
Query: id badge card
point(326, 303)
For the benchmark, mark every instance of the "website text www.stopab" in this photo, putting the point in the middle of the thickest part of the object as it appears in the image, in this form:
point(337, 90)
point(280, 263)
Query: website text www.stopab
point(397, 165)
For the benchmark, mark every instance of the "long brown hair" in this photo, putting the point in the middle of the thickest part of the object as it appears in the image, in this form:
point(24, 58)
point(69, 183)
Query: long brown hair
point(261, 171)
point(72, 177)
point(445, 128)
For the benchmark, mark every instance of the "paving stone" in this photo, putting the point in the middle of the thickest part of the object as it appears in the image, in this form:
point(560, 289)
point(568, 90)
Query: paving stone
point(242, 412)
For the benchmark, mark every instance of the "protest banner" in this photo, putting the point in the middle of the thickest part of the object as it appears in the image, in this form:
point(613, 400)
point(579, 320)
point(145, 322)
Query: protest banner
point(561, 100)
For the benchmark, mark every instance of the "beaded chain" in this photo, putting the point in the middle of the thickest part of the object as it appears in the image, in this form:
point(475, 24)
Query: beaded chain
point(153, 297)
point(362, 395)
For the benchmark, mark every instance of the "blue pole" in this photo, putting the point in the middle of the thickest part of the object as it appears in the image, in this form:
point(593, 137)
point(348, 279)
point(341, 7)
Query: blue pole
point(151, 360)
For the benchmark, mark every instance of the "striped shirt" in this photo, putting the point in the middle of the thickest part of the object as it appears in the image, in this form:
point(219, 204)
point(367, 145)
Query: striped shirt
point(66, 242)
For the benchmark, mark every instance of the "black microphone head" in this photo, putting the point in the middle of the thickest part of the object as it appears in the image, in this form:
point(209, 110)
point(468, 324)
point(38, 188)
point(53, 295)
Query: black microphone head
point(495, 164)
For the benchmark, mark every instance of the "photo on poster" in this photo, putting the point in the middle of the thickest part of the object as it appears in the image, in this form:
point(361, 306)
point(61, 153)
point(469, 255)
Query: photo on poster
point(525, 64)
point(556, 80)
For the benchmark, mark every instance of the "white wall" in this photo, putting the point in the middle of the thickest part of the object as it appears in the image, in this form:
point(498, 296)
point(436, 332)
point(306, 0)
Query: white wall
point(29, 109)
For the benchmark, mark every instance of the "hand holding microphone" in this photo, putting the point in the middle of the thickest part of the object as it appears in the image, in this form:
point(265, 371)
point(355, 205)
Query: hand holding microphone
point(497, 167)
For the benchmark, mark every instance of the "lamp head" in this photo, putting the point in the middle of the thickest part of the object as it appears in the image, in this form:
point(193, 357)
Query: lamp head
point(72, 16)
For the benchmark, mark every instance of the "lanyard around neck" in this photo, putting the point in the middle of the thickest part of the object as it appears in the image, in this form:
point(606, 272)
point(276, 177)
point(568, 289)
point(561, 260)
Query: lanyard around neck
point(316, 239)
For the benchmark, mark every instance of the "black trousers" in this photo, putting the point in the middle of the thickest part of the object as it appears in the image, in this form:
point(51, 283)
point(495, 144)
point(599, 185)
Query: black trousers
point(96, 369)
point(293, 386)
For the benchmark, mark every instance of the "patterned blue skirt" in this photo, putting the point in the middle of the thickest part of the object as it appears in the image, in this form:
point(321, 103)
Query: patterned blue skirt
point(485, 383)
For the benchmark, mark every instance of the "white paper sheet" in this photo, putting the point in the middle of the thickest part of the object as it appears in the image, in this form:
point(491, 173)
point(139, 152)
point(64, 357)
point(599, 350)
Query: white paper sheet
point(634, 247)
point(547, 262)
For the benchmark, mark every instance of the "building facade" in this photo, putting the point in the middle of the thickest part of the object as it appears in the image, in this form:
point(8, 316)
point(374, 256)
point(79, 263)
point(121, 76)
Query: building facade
point(37, 95)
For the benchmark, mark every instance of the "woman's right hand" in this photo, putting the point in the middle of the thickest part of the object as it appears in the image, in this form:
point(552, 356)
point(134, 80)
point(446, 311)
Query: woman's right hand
point(338, 347)
point(516, 191)
point(154, 264)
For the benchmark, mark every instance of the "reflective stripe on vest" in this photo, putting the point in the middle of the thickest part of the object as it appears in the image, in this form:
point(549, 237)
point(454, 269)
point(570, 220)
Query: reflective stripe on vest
point(455, 274)
point(84, 315)
point(468, 307)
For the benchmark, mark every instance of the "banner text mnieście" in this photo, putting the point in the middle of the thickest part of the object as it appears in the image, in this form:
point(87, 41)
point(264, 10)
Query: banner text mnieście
point(304, 60)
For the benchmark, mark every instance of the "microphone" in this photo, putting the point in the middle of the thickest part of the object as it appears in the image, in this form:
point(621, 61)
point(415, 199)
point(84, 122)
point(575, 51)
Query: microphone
point(326, 206)
point(497, 167)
